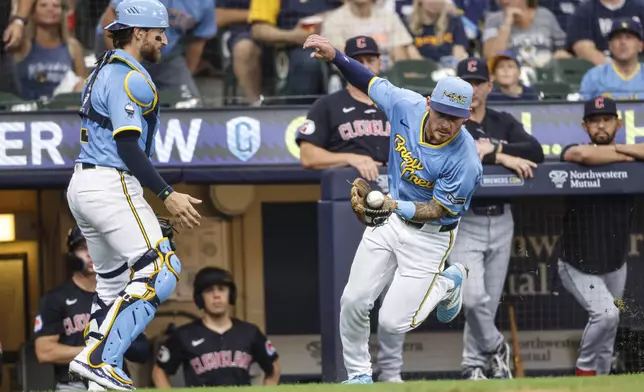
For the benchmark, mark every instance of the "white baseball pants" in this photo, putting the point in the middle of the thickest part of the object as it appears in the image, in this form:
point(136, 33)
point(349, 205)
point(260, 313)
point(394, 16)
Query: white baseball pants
point(117, 222)
point(412, 260)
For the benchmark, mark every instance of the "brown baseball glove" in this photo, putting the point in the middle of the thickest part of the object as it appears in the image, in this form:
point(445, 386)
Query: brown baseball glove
point(371, 217)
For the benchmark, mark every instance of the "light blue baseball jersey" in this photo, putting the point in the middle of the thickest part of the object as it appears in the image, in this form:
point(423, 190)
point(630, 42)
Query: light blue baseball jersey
point(607, 81)
point(449, 173)
point(111, 96)
point(195, 18)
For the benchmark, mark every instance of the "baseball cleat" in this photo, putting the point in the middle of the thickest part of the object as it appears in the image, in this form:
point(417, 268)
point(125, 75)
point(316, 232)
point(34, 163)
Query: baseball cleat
point(94, 387)
point(394, 379)
point(475, 373)
point(106, 376)
point(500, 363)
point(361, 379)
point(450, 307)
point(584, 373)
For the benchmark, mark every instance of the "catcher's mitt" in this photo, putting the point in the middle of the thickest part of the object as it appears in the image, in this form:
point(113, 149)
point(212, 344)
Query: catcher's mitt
point(167, 230)
point(371, 217)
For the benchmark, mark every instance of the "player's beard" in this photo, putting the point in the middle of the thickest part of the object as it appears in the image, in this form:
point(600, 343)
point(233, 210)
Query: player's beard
point(605, 138)
point(150, 53)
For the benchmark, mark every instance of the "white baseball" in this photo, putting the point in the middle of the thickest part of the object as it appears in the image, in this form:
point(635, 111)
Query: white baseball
point(375, 199)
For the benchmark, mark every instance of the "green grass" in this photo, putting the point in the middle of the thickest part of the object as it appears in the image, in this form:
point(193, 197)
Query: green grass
point(625, 383)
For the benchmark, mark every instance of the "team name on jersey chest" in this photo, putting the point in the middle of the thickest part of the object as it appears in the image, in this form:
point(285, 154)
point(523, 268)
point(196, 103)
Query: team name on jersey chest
point(359, 127)
point(76, 323)
point(220, 360)
point(412, 168)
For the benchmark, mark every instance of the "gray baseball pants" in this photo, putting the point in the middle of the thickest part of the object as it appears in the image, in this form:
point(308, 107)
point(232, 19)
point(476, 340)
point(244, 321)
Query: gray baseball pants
point(483, 245)
point(597, 294)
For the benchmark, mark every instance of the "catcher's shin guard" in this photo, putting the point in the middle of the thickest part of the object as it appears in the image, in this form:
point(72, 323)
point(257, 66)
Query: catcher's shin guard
point(134, 308)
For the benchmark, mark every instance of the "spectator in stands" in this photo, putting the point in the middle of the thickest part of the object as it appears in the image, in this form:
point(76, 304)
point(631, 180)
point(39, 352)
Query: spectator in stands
point(245, 52)
point(192, 24)
point(591, 23)
point(288, 23)
point(470, 12)
point(438, 34)
point(531, 32)
point(506, 73)
point(595, 236)
point(216, 350)
point(346, 128)
point(12, 27)
point(48, 61)
point(362, 17)
point(562, 9)
point(624, 78)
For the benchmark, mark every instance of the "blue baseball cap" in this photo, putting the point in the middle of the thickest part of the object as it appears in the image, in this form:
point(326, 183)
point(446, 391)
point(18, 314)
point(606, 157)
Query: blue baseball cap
point(452, 96)
point(600, 105)
point(625, 25)
point(473, 68)
point(150, 14)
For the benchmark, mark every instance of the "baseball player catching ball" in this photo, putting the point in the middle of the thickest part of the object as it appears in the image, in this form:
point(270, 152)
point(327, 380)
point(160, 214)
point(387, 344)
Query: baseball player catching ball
point(434, 170)
point(135, 264)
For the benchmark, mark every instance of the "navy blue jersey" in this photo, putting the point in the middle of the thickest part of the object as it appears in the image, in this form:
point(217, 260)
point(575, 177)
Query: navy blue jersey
point(528, 94)
point(593, 21)
point(432, 47)
point(64, 311)
point(212, 359)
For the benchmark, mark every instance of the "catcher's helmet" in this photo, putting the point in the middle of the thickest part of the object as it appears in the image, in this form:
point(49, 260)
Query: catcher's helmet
point(211, 276)
point(149, 14)
point(74, 238)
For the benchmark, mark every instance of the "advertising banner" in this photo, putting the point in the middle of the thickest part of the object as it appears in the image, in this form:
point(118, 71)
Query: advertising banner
point(264, 136)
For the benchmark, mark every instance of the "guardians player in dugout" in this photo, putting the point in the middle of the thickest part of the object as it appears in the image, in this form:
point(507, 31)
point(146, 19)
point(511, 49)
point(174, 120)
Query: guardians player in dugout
point(346, 128)
point(485, 232)
point(596, 231)
point(217, 350)
point(64, 313)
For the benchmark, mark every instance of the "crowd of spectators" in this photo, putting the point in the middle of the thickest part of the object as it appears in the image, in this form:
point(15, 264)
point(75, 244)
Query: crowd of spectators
point(260, 43)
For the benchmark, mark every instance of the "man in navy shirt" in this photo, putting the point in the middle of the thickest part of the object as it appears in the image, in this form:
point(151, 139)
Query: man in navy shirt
point(595, 238)
point(589, 26)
